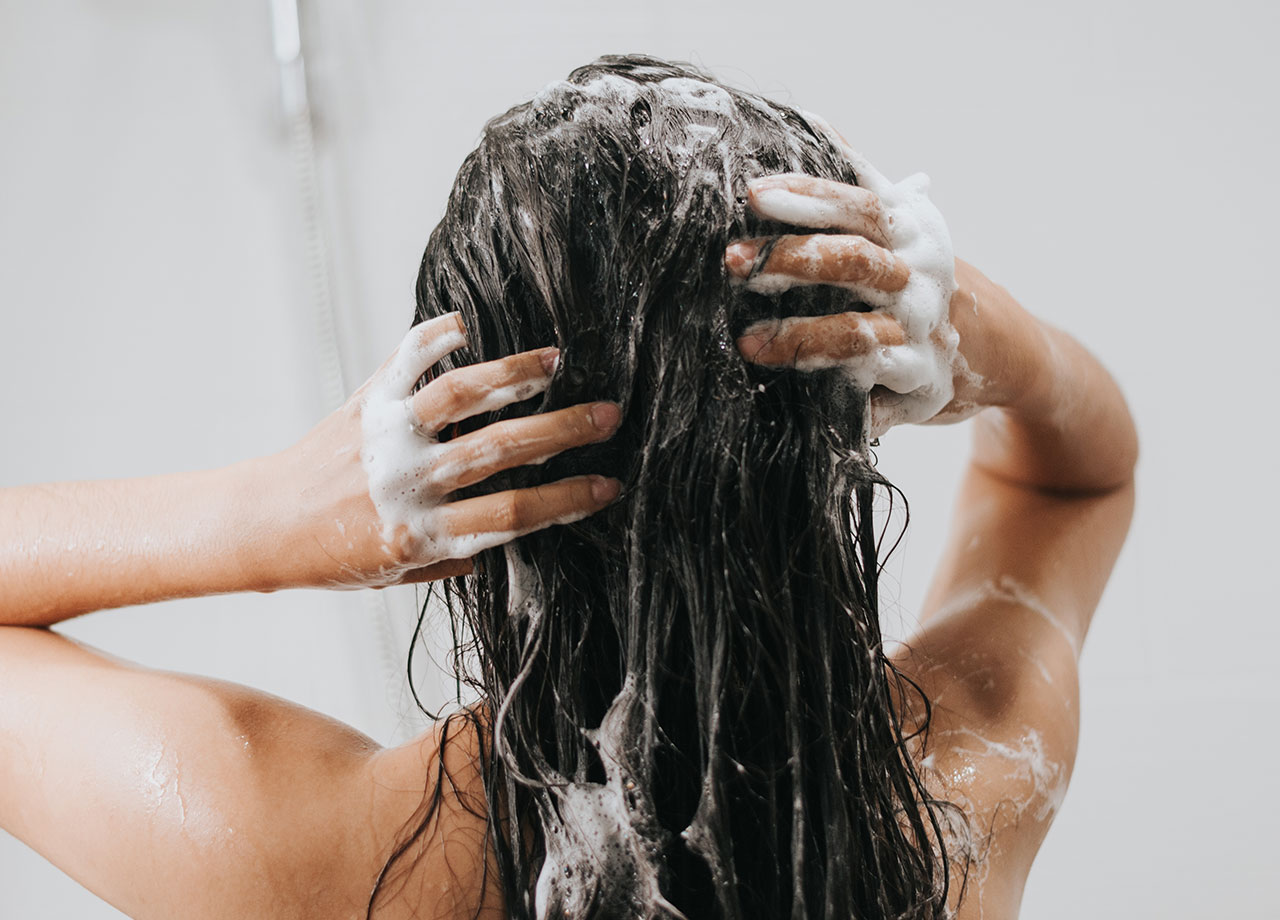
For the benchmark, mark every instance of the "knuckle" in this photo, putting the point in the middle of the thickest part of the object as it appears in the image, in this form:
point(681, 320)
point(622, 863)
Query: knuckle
point(859, 249)
point(796, 255)
point(417, 336)
point(848, 256)
point(504, 444)
point(421, 335)
point(402, 549)
point(513, 512)
point(448, 392)
point(868, 202)
point(857, 335)
point(570, 426)
point(482, 459)
point(528, 366)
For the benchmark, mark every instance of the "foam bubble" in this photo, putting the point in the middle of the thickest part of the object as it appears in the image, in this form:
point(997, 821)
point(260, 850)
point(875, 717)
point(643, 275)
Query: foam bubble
point(606, 851)
point(695, 94)
point(410, 473)
point(920, 372)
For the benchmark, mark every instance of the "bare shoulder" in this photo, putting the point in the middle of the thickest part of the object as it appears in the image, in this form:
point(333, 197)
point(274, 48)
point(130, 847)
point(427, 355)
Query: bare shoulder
point(997, 656)
point(1001, 744)
point(429, 825)
point(175, 795)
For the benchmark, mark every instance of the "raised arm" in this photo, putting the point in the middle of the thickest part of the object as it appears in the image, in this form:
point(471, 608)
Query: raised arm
point(363, 500)
point(1061, 424)
point(1040, 516)
point(171, 795)
point(1053, 438)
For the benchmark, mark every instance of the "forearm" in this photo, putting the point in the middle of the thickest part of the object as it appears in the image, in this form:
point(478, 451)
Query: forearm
point(1059, 421)
point(1071, 433)
point(70, 548)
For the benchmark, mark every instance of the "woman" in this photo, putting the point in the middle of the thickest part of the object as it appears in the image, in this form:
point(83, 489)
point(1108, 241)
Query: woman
point(685, 706)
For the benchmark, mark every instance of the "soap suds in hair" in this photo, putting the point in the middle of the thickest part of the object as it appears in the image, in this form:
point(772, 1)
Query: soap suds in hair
point(920, 371)
point(410, 472)
point(737, 575)
point(698, 95)
point(604, 852)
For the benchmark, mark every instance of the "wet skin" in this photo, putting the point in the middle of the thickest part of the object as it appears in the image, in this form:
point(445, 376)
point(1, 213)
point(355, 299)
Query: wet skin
point(171, 795)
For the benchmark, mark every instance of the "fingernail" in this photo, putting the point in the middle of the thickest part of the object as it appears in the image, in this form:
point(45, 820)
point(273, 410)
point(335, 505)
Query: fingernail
point(764, 329)
point(740, 258)
point(462, 328)
point(550, 358)
point(750, 346)
point(605, 415)
point(604, 490)
point(756, 338)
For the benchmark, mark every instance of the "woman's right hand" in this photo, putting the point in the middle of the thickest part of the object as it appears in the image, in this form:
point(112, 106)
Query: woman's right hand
point(941, 342)
point(375, 482)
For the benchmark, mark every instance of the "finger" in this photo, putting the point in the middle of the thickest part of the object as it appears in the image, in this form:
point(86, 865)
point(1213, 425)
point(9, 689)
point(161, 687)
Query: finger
point(821, 258)
point(422, 347)
point(887, 409)
point(485, 387)
point(491, 520)
point(868, 176)
point(521, 441)
point(808, 201)
point(809, 343)
point(436, 571)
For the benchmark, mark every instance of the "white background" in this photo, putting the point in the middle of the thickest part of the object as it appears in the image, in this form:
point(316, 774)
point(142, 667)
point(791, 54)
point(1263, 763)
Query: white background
point(1112, 163)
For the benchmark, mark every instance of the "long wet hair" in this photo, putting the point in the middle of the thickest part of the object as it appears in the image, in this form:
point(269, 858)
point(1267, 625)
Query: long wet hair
point(690, 712)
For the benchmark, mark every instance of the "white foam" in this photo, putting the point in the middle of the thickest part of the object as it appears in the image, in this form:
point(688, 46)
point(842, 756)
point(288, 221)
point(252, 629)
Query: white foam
point(1041, 783)
point(790, 207)
point(410, 472)
point(1012, 591)
point(607, 841)
point(701, 131)
point(921, 370)
point(696, 94)
point(603, 86)
point(1023, 777)
point(523, 586)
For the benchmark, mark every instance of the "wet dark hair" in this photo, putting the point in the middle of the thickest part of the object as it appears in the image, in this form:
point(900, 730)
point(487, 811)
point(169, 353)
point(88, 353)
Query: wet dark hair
point(692, 712)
